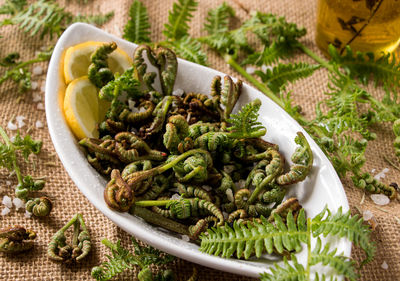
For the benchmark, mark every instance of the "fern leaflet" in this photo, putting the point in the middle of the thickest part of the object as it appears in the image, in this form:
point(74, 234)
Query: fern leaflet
point(295, 272)
point(189, 49)
point(137, 29)
point(11, 7)
point(178, 19)
point(217, 20)
point(245, 124)
point(94, 19)
point(277, 77)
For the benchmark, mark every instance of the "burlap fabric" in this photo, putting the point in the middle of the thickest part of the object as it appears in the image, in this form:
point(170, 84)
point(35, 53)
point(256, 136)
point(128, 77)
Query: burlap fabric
point(68, 200)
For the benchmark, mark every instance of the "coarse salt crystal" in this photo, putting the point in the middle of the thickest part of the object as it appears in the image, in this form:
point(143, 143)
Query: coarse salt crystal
point(43, 88)
point(11, 126)
point(381, 174)
point(40, 106)
point(380, 199)
point(37, 70)
point(176, 196)
point(207, 187)
point(367, 215)
point(264, 68)
point(34, 85)
point(384, 265)
point(28, 214)
point(7, 201)
point(20, 120)
point(178, 92)
point(8, 183)
point(18, 203)
point(373, 170)
point(185, 238)
point(250, 69)
point(39, 124)
point(229, 194)
point(36, 97)
point(12, 138)
point(5, 211)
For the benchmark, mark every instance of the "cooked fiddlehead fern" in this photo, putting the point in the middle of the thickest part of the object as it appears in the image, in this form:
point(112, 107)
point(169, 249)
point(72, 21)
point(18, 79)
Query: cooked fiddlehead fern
point(16, 239)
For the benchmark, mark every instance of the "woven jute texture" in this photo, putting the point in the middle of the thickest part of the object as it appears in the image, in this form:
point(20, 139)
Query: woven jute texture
point(34, 265)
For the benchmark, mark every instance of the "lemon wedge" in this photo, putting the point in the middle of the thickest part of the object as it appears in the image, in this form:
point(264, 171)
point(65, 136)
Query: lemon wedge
point(77, 60)
point(82, 108)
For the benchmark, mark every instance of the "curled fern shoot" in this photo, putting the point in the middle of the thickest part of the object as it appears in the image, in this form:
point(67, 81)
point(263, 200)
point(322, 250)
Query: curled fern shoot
point(137, 29)
point(245, 124)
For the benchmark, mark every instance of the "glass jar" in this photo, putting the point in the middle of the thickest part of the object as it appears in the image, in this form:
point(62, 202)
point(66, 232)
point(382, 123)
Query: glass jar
point(365, 25)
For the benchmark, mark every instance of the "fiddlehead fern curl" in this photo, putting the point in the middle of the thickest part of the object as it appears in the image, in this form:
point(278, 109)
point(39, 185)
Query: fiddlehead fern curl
point(194, 168)
point(142, 165)
point(192, 191)
point(368, 182)
point(302, 159)
point(168, 67)
point(118, 193)
point(16, 239)
point(99, 73)
point(396, 143)
point(229, 95)
point(291, 205)
point(160, 114)
point(59, 250)
point(39, 207)
point(136, 117)
point(176, 138)
point(200, 128)
point(140, 66)
point(159, 184)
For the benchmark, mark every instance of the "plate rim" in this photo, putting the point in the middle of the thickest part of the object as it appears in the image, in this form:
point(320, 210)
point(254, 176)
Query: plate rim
point(123, 219)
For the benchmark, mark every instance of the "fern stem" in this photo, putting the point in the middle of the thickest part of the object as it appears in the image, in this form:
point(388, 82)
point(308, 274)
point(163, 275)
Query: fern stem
point(11, 146)
point(151, 203)
point(231, 61)
point(315, 57)
point(21, 65)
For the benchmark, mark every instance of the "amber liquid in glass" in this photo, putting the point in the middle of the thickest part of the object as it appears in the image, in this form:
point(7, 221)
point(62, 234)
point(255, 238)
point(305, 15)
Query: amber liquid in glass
point(365, 25)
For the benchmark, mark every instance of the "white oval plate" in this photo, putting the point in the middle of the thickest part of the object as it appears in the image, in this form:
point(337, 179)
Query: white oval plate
point(322, 187)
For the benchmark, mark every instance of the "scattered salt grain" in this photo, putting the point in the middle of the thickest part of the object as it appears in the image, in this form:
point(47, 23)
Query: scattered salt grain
point(380, 199)
point(178, 92)
point(37, 70)
point(7, 201)
point(250, 69)
point(176, 196)
point(185, 238)
point(367, 215)
point(18, 203)
point(34, 85)
point(373, 170)
point(11, 126)
point(40, 106)
point(39, 124)
point(384, 265)
point(43, 88)
point(36, 97)
point(5, 211)
point(28, 214)
point(207, 187)
point(8, 183)
point(264, 67)
point(229, 194)
point(381, 174)
point(12, 138)
point(20, 121)
point(226, 215)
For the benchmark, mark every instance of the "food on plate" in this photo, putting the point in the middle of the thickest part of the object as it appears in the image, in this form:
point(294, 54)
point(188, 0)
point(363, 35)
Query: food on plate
point(184, 160)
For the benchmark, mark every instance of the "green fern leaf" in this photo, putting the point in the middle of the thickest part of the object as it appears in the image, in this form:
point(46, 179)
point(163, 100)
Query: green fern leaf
point(178, 19)
point(344, 225)
point(341, 264)
point(281, 74)
point(255, 239)
point(94, 19)
point(217, 20)
point(137, 29)
point(360, 65)
point(189, 49)
point(11, 7)
point(245, 124)
point(295, 272)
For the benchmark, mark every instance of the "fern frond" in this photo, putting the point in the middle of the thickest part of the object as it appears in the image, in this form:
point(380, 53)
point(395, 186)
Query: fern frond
point(385, 69)
point(42, 16)
point(256, 238)
point(178, 19)
point(94, 19)
point(281, 74)
point(217, 20)
point(269, 55)
point(190, 49)
point(245, 124)
point(341, 264)
point(137, 29)
point(11, 7)
point(292, 272)
point(344, 225)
